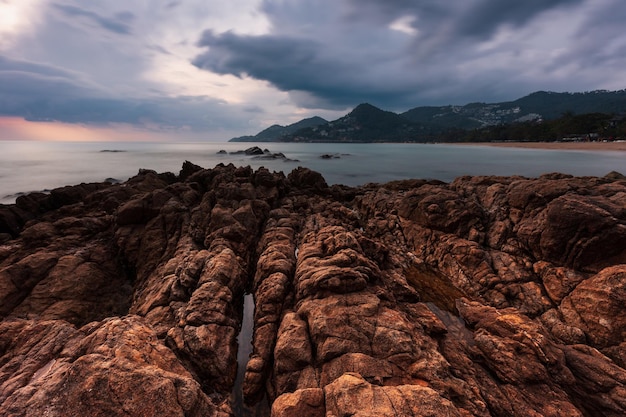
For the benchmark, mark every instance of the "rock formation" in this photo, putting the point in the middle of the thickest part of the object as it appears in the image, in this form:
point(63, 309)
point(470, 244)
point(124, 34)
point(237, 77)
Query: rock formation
point(487, 296)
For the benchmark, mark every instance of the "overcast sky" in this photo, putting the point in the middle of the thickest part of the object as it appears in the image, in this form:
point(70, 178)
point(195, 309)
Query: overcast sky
point(211, 70)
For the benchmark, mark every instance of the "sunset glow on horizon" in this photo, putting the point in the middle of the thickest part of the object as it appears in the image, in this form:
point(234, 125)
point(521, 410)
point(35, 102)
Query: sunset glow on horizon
point(210, 71)
point(16, 128)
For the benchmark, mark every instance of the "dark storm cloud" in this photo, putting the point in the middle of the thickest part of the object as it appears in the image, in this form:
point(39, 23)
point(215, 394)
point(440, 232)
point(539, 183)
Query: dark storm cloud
point(129, 61)
point(291, 64)
point(477, 18)
point(118, 24)
point(258, 56)
point(488, 15)
point(336, 53)
point(433, 11)
point(301, 62)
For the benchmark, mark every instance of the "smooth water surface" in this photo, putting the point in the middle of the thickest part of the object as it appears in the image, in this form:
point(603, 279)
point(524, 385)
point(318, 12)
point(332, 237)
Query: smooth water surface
point(244, 343)
point(39, 166)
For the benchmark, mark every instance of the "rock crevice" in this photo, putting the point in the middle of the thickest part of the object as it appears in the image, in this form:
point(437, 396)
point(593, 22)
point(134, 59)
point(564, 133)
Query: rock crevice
point(488, 296)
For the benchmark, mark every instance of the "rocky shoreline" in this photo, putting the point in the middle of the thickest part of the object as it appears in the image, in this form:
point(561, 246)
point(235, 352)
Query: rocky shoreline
point(487, 296)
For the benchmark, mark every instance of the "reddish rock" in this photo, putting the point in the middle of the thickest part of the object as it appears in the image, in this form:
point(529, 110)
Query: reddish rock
point(488, 296)
point(352, 395)
point(597, 307)
point(304, 402)
point(116, 367)
point(578, 231)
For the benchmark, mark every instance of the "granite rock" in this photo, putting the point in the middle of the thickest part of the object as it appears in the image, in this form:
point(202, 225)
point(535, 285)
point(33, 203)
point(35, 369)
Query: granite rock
point(487, 296)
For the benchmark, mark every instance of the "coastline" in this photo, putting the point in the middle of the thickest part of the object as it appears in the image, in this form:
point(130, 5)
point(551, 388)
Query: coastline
point(574, 146)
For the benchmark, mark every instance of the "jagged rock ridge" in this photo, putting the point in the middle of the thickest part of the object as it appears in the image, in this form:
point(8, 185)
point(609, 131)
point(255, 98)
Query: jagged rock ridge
point(488, 296)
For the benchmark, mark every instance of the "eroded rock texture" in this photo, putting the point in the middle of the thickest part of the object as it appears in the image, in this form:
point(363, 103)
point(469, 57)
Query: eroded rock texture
point(487, 296)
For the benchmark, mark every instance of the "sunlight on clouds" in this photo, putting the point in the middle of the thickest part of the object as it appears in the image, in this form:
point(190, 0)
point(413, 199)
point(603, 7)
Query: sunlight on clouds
point(15, 17)
point(404, 25)
point(131, 61)
point(15, 128)
point(177, 76)
point(171, 67)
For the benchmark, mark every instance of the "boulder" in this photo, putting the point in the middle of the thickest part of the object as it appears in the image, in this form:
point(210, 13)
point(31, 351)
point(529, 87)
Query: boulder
point(352, 395)
point(116, 367)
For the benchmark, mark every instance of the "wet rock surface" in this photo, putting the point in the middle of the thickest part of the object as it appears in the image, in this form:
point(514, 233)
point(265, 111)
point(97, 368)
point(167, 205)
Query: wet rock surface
point(487, 296)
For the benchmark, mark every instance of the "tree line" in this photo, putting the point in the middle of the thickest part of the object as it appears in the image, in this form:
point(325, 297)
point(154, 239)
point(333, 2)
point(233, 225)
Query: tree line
point(590, 126)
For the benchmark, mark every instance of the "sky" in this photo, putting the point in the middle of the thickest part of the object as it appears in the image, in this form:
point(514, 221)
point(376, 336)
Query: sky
point(209, 70)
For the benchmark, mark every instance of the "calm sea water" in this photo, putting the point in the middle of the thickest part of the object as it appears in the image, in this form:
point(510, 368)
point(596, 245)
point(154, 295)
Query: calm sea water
point(38, 166)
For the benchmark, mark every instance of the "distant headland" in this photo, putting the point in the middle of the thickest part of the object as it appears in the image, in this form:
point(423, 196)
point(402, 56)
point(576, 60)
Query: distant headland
point(539, 117)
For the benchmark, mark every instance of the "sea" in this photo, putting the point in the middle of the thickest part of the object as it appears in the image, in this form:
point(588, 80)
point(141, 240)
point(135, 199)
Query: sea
point(41, 166)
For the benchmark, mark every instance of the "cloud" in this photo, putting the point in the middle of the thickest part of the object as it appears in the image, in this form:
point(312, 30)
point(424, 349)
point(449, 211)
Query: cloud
point(253, 108)
point(38, 92)
point(303, 66)
point(242, 65)
point(298, 60)
point(486, 16)
point(601, 39)
point(102, 65)
point(401, 53)
point(118, 24)
point(23, 83)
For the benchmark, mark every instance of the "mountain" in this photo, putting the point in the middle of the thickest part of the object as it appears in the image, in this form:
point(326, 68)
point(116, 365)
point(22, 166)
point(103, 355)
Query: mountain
point(275, 133)
point(541, 105)
point(367, 123)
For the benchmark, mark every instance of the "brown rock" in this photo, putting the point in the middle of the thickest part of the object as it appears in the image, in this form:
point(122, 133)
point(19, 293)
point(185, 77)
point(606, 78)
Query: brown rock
point(577, 231)
point(341, 324)
point(484, 297)
point(352, 395)
point(375, 371)
point(440, 208)
point(305, 179)
point(600, 387)
point(293, 348)
point(332, 261)
point(597, 307)
point(558, 281)
point(304, 402)
point(113, 368)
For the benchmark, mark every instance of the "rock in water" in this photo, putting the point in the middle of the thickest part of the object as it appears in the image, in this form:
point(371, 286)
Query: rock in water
point(488, 296)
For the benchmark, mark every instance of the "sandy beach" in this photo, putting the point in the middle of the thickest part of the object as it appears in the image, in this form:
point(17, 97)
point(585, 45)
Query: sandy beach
point(580, 146)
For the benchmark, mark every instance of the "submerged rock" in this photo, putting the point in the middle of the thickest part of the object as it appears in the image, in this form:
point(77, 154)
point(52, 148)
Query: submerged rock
point(488, 296)
point(254, 150)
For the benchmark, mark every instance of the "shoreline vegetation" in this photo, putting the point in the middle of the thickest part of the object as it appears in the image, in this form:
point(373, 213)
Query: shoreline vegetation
point(541, 116)
point(601, 146)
